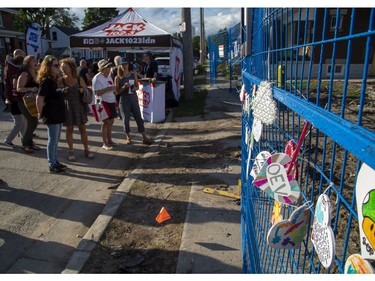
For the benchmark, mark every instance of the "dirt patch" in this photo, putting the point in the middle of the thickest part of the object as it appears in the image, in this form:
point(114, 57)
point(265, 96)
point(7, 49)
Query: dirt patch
point(198, 149)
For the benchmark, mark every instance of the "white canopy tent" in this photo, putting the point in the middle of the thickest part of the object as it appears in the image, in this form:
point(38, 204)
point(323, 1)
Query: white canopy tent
point(130, 31)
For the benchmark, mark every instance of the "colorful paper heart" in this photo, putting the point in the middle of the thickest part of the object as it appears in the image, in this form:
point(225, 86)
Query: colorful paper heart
point(258, 162)
point(288, 234)
point(322, 235)
point(355, 264)
point(274, 181)
point(365, 195)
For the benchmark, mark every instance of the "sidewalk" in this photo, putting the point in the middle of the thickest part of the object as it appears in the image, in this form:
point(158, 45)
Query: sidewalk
point(51, 223)
point(211, 239)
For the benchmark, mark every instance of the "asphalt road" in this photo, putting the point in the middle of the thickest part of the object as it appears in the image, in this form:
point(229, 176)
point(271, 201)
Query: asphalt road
point(44, 216)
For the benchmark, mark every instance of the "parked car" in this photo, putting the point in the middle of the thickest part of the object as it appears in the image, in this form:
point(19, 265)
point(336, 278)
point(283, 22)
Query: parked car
point(163, 66)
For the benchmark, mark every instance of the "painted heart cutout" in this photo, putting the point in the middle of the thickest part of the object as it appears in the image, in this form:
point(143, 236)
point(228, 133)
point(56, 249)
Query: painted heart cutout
point(258, 163)
point(264, 106)
point(322, 235)
point(274, 181)
point(257, 129)
point(365, 196)
point(288, 234)
point(368, 212)
point(356, 264)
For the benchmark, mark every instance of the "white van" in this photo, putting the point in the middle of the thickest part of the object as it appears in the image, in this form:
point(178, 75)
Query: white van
point(163, 66)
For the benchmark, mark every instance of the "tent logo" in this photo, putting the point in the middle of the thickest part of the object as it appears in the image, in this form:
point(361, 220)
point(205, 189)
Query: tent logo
point(118, 29)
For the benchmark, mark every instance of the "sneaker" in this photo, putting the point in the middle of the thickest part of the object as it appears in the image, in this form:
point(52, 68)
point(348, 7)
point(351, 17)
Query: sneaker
point(60, 165)
point(106, 147)
point(9, 143)
point(56, 170)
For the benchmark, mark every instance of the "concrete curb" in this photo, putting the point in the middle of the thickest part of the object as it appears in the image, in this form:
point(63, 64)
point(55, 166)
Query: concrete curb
point(83, 251)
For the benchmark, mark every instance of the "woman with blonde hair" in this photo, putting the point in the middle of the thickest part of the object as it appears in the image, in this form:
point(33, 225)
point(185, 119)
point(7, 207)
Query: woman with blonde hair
point(75, 111)
point(26, 83)
point(51, 108)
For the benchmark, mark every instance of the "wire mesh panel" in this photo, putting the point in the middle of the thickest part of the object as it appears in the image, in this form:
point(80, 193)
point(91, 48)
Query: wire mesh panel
point(225, 55)
point(321, 64)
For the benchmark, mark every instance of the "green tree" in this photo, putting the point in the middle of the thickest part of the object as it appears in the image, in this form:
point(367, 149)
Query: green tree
point(196, 46)
point(96, 16)
point(177, 35)
point(46, 17)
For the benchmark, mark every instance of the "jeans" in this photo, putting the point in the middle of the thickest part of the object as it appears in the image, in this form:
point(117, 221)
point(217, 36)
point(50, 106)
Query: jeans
point(54, 133)
point(20, 124)
point(32, 123)
point(129, 104)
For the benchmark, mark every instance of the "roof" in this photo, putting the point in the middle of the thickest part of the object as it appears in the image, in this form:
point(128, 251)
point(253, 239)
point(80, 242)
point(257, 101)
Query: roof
point(66, 30)
point(60, 52)
point(10, 11)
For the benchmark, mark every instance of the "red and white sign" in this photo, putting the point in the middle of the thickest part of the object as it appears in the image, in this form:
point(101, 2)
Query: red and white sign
point(151, 101)
point(221, 51)
point(119, 29)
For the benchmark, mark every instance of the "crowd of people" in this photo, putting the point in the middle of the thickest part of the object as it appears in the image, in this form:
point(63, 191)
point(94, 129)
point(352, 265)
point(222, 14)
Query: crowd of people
point(58, 86)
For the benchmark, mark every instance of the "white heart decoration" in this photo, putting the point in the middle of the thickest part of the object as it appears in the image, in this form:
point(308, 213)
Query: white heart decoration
point(264, 107)
point(257, 129)
point(322, 235)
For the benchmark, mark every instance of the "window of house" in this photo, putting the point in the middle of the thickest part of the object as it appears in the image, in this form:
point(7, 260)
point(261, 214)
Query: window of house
point(1, 19)
point(54, 36)
point(333, 23)
point(339, 69)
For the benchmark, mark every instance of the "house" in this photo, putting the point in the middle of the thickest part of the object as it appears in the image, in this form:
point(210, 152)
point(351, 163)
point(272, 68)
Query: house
point(10, 39)
point(301, 37)
point(58, 44)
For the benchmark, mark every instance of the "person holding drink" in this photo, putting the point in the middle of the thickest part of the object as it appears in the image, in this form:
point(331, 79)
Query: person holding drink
point(126, 83)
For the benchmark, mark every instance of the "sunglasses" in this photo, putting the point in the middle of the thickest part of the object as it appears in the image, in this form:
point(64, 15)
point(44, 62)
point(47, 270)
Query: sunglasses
point(55, 65)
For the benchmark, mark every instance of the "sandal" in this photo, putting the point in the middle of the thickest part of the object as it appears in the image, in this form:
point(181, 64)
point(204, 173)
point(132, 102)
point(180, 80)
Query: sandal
point(71, 156)
point(35, 147)
point(28, 149)
point(88, 154)
point(128, 141)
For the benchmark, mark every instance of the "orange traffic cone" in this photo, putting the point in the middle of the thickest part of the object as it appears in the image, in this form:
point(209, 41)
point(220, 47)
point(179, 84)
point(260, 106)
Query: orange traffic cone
point(162, 216)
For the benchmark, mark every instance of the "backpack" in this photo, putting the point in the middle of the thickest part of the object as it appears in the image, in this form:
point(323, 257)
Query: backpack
point(11, 72)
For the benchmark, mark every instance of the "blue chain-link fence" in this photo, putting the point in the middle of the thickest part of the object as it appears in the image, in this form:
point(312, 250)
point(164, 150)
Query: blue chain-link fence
point(225, 57)
point(322, 64)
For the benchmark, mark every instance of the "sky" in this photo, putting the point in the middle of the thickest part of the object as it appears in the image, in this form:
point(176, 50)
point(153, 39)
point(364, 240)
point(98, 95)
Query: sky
point(169, 19)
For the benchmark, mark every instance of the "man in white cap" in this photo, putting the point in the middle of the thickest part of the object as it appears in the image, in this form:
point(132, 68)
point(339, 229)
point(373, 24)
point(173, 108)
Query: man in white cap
point(103, 87)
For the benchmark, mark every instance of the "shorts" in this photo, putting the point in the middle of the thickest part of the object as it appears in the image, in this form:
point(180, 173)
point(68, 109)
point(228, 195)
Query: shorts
point(112, 109)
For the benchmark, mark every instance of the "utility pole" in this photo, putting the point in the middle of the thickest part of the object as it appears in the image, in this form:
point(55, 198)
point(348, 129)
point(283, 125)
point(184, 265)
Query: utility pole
point(187, 52)
point(249, 28)
point(202, 51)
